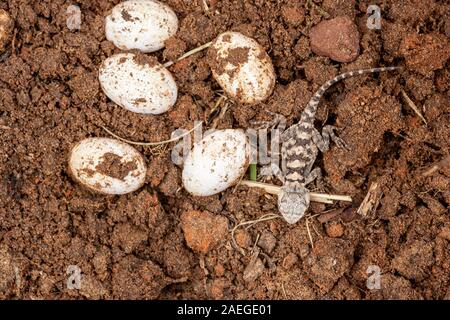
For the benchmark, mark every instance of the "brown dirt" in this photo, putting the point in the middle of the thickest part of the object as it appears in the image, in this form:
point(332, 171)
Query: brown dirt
point(133, 246)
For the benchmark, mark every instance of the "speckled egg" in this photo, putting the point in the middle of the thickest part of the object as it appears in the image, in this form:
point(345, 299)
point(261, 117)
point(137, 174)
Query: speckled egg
point(216, 162)
point(138, 83)
point(107, 166)
point(241, 67)
point(140, 24)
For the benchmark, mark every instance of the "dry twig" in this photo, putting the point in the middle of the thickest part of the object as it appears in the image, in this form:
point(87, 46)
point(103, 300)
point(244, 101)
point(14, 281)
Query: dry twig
point(189, 53)
point(316, 197)
point(152, 143)
point(371, 201)
point(413, 106)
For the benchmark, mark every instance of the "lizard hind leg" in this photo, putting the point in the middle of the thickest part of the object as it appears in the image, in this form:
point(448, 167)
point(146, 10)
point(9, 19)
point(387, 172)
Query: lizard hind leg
point(322, 141)
point(315, 174)
point(272, 170)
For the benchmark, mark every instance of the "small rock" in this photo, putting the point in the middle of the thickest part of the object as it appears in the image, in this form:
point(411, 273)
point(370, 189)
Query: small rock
point(425, 53)
point(243, 238)
point(217, 288)
point(219, 270)
point(337, 39)
point(304, 251)
point(334, 229)
point(202, 230)
point(289, 261)
point(253, 270)
point(267, 241)
point(6, 27)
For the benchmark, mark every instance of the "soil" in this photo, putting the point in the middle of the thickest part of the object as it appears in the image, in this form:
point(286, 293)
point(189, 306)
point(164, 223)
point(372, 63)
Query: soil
point(134, 246)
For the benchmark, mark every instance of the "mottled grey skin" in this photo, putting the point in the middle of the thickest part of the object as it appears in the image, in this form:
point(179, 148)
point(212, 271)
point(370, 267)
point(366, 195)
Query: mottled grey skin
point(300, 145)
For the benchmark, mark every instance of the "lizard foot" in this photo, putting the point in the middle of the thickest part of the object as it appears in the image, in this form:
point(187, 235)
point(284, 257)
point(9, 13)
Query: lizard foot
point(278, 121)
point(329, 131)
point(272, 170)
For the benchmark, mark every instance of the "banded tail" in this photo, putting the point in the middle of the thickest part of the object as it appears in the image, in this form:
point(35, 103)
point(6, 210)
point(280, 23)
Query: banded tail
point(311, 108)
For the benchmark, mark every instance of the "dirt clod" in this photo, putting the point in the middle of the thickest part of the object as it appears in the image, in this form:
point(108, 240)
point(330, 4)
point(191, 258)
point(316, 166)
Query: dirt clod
point(334, 229)
point(328, 261)
point(267, 241)
point(425, 53)
point(203, 231)
point(414, 259)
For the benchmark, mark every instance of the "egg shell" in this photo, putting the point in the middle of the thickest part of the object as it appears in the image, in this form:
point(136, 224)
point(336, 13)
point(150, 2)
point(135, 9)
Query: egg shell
point(140, 24)
point(241, 67)
point(216, 162)
point(6, 28)
point(138, 84)
point(107, 166)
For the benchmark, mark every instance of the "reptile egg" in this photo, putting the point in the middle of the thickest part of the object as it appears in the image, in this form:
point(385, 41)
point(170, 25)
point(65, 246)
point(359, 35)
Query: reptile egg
point(6, 27)
point(141, 24)
point(241, 67)
point(216, 162)
point(138, 83)
point(107, 166)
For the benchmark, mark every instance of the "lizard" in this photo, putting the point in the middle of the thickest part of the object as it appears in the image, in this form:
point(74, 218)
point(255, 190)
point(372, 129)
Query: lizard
point(300, 145)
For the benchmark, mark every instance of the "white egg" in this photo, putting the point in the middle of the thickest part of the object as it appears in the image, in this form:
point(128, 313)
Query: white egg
point(107, 166)
point(138, 84)
point(242, 68)
point(216, 162)
point(141, 24)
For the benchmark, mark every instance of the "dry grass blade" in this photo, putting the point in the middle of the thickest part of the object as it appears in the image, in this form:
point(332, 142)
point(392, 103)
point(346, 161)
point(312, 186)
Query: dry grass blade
point(437, 166)
point(413, 106)
point(309, 233)
point(371, 201)
point(189, 53)
point(316, 197)
point(152, 143)
point(205, 6)
point(250, 223)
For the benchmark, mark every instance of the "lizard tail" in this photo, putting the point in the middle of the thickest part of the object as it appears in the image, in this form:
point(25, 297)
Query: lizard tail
point(310, 110)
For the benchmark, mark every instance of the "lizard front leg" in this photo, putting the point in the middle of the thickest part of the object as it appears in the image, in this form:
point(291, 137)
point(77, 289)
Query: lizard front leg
point(322, 141)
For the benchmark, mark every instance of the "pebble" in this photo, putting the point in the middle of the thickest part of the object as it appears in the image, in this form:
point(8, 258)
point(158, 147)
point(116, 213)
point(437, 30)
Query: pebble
point(243, 238)
point(6, 27)
point(203, 231)
point(289, 261)
point(337, 39)
point(253, 270)
point(267, 241)
point(334, 229)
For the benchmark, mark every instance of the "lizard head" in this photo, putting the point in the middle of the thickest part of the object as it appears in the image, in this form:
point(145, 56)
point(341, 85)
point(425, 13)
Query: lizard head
point(293, 203)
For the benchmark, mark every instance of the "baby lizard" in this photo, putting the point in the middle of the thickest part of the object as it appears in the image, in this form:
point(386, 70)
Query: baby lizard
point(300, 145)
